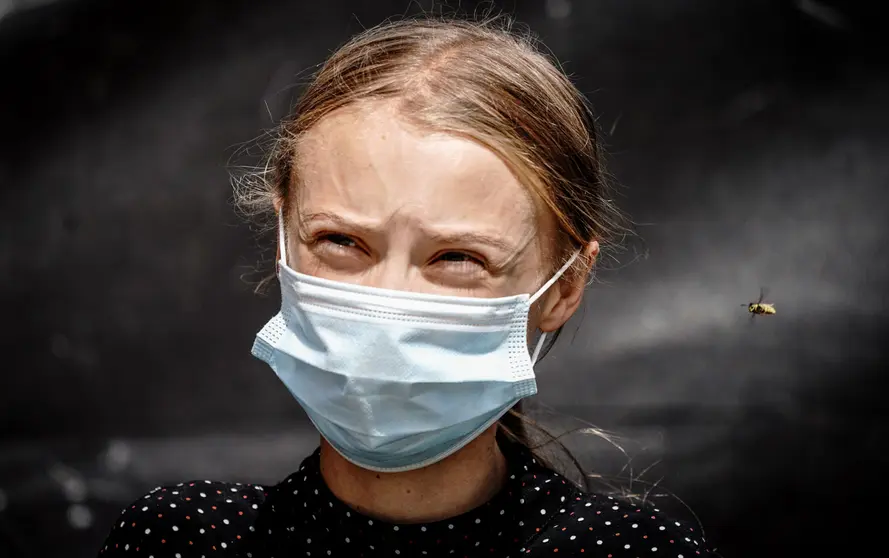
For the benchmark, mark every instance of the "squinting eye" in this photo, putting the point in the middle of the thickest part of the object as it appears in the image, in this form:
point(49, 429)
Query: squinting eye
point(339, 240)
point(460, 259)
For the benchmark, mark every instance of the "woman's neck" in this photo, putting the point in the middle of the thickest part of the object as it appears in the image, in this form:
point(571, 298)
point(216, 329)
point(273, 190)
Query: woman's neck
point(465, 480)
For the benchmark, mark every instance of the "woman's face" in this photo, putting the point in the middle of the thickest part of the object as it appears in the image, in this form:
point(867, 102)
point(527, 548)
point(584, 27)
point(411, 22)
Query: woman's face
point(383, 205)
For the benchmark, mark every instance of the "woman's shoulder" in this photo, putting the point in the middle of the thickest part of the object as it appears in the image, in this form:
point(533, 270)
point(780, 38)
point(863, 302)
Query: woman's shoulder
point(598, 523)
point(182, 519)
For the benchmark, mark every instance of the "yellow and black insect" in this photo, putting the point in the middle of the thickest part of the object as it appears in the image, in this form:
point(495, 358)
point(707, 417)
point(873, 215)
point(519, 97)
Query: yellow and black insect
point(759, 307)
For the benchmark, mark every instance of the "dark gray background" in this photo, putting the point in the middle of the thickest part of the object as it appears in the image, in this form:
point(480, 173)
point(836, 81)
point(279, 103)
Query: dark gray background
point(751, 138)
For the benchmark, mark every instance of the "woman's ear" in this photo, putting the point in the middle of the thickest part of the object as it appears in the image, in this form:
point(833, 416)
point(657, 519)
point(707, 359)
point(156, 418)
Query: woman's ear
point(565, 297)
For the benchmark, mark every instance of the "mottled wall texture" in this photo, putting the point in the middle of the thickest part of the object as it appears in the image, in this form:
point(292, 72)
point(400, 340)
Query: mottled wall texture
point(751, 141)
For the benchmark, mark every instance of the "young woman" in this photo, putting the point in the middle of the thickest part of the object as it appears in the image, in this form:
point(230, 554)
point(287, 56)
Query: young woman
point(440, 205)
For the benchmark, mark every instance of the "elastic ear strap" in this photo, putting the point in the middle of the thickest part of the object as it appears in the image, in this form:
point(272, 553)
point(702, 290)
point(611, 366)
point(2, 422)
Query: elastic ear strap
point(554, 278)
point(282, 240)
point(537, 348)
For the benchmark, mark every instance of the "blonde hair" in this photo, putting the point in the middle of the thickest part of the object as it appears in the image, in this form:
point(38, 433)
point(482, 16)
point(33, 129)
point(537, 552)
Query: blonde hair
point(480, 80)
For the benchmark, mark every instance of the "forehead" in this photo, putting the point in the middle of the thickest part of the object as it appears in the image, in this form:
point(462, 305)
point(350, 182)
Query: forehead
point(368, 162)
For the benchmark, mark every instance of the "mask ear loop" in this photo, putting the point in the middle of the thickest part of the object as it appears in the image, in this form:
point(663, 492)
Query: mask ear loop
point(539, 293)
point(282, 241)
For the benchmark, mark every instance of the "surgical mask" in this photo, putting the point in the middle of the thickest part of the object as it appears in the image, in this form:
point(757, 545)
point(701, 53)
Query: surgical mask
point(397, 380)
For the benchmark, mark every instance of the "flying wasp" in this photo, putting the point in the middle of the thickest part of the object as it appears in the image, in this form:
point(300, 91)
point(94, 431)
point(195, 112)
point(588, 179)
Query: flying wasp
point(760, 307)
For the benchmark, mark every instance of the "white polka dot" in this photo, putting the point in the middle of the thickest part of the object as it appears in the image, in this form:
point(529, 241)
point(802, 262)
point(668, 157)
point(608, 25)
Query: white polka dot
point(172, 505)
point(627, 546)
point(607, 523)
point(634, 525)
point(572, 537)
point(147, 531)
point(395, 528)
point(654, 549)
point(477, 521)
point(502, 512)
point(542, 512)
point(423, 528)
point(677, 524)
point(661, 528)
point(145, 508)
point(201, 531)
point(200, 510)
point(225, 521)
point(347, 539)
point(255, 507)
point(203, 495)
point(450, 525)
point(175, 528)
point(370, 521)
point(579, 519)
point(545, 540)
point(599, 541)
point(308, 541)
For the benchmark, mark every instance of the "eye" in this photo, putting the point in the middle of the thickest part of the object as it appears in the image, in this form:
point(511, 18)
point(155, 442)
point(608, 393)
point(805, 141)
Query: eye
point(339, 240)
point(460, 261)
point(335, 243)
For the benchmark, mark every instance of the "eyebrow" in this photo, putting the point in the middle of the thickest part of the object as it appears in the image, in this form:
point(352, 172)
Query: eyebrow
point(336, 219)
point(463, 237)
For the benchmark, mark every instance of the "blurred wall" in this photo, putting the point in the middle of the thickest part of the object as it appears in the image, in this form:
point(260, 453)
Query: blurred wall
point(750, 136)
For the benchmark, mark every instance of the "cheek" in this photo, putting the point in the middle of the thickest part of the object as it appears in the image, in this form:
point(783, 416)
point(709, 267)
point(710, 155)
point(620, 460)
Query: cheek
point(303, 261)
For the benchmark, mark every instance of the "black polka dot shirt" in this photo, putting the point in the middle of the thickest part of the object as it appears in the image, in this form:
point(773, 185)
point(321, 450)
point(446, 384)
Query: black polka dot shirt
point(537, 513)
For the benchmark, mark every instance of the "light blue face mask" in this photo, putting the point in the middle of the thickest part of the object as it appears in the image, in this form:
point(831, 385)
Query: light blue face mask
point(398, 380)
